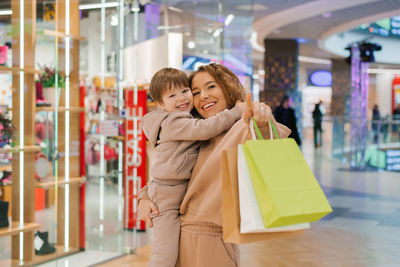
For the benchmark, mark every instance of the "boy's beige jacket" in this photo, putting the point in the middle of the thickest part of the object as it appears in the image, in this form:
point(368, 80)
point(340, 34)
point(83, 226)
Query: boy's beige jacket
point(175, 136)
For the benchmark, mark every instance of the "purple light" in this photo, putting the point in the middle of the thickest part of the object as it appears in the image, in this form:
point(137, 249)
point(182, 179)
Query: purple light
point(321, 78)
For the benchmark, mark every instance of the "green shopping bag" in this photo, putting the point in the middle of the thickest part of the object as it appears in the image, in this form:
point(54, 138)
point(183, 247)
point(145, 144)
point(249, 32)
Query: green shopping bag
point(286, 190)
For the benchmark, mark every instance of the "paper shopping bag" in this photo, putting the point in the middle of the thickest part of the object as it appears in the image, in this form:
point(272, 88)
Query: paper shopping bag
point(285, 187)
point(250, 216)
point(230, 205)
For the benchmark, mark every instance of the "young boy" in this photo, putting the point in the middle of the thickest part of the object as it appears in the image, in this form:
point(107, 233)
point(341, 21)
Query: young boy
point(175, 134)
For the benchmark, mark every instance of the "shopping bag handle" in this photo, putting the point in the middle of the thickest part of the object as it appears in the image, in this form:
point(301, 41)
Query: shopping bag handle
point(272, 130)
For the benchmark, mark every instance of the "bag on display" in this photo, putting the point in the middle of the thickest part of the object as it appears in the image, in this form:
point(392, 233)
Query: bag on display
point(250, 217)
point(231, 206)
point(286, 190)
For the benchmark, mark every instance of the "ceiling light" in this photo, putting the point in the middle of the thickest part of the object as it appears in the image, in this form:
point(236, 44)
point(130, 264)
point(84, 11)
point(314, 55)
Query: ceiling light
point(175, 9)
point(254, 43)
point(315, 60)
point(5, 12)
point(135, 6)
point(191, 45)
point(255, 7)
point(261, 72)
point(229, 19)
point(96, 6)
point(114, 20)
point(383, 71)
point(217, 32)
point(327, 15)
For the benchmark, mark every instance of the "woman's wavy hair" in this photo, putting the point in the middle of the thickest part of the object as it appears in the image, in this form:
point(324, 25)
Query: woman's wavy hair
point(231, 87)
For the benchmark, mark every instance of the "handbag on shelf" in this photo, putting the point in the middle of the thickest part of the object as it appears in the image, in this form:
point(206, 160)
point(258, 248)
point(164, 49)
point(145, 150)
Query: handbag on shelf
point(285, 188)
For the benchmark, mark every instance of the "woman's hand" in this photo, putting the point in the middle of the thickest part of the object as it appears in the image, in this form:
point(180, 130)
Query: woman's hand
point(145, 209)
point(261, 112)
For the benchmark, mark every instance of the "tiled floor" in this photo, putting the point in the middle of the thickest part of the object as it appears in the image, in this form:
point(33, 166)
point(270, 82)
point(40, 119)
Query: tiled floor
point(365, 220)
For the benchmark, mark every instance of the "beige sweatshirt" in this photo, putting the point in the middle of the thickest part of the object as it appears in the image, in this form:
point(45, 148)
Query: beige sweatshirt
point(175, 136)
point(203, 200)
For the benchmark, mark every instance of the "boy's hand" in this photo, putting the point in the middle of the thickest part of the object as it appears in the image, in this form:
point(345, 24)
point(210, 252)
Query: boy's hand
point(241, 105)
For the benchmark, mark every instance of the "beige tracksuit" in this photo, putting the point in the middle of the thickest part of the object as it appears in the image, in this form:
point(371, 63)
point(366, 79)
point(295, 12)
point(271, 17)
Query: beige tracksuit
point(201, 242)
point(175, 136)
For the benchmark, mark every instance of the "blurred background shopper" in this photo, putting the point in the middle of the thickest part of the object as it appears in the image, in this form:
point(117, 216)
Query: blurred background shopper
point(286, 115)
point(317, 119)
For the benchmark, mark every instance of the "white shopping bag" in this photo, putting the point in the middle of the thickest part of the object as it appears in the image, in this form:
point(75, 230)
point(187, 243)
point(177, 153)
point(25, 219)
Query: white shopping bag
point(250, 216)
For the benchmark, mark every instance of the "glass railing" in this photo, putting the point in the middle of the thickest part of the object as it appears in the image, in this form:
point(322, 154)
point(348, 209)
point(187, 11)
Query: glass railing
point(377, 148)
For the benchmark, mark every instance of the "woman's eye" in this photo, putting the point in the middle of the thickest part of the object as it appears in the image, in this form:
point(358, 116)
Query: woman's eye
point(211, 87)
point(171, 96)
point(185, 90)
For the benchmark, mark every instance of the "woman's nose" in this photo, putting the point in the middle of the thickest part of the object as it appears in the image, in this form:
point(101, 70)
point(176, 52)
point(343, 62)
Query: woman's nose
point(203, 94)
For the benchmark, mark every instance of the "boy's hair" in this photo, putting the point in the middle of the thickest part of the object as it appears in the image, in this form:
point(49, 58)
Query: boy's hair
point(164, 80)
point(231, 87)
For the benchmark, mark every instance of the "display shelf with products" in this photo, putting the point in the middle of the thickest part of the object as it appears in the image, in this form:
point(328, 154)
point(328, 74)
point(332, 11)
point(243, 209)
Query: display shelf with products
point(48, 183)
point(61, 147)
point(17, 70)
point(15, 228)
point(60, 109)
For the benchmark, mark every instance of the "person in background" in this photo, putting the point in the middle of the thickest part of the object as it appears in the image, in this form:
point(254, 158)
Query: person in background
point(317, 118)
point(396, 120)
point(286, 115)
point(375, 125)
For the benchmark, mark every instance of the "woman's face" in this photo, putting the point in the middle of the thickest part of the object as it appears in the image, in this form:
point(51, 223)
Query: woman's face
point(208, 98)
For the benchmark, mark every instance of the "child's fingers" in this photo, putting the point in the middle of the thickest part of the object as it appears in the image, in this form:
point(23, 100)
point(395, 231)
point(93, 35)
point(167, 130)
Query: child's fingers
point(154, 209)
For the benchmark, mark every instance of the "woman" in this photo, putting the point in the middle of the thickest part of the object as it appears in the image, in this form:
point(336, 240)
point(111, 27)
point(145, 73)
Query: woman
point(214, 89)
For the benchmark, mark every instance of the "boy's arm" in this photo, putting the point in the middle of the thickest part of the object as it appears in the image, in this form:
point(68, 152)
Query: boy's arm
point(182, 126)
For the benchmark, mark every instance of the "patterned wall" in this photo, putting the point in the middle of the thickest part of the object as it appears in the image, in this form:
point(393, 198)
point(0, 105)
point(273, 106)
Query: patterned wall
point(341, 85)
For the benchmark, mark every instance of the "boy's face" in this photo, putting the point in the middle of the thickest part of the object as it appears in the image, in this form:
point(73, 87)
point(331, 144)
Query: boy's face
point(180, 98)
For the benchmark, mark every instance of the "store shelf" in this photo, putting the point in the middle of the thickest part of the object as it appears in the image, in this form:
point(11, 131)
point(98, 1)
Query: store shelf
point(15, 69)
point(107, 89)
point(60, 109)
point(5, 168)
point(61, 251)
point(18, 149)
point(61, 182)
point(16, 228)
point(119, 138)
point(63, 35)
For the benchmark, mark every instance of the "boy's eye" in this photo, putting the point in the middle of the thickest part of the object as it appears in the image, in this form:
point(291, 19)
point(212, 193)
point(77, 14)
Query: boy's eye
point(195, 93)
point(185, 90)
point(171, 95)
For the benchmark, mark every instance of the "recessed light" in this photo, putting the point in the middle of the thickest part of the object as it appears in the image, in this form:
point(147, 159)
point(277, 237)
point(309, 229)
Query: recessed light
point(256, 7)
point(191, 44)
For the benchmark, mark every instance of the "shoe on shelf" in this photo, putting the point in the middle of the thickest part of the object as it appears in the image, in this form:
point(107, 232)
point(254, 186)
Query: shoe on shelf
point(4, 214)
point(42, 245)
point(40, 101)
